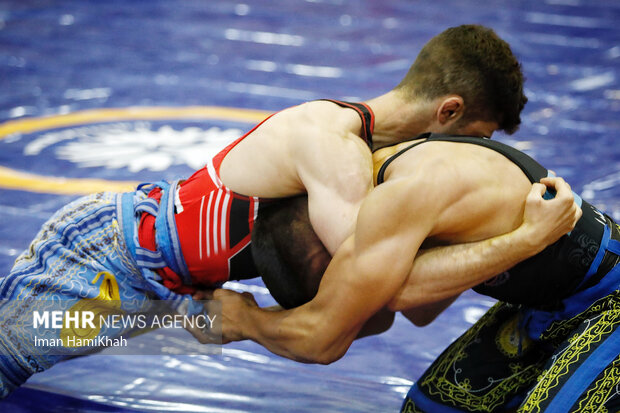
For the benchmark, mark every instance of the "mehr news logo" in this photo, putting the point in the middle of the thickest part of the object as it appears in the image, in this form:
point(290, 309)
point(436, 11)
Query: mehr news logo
point(76, 321)
point(83, 326)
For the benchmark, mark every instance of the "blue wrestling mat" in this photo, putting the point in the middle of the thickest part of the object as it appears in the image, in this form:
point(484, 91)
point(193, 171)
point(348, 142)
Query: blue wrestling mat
point(97, 92)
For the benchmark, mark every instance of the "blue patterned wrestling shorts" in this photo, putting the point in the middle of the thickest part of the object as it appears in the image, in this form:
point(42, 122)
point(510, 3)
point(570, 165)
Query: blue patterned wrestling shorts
point(80, 255)
point(523, 360)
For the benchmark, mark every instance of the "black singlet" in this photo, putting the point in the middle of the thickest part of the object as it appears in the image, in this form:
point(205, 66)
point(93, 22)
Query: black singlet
point(555, 273)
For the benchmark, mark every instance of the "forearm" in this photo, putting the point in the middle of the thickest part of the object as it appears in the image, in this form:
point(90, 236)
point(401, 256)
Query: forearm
point(270, 329)
point(354, 287)
point(300, 337)
point(443, 272)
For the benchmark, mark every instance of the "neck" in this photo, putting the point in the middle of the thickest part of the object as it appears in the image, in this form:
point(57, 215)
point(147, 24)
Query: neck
point(398, 119)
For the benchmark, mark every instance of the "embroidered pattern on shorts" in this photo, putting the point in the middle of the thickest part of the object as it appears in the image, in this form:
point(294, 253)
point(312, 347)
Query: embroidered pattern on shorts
point(579, 346)
point(459, 392)
point(603, 390)
point(410, 407)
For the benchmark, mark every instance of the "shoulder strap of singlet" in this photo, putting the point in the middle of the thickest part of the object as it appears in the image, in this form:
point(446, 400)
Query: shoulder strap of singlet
point(365, 113)
point(532, 169)
point(381, 173)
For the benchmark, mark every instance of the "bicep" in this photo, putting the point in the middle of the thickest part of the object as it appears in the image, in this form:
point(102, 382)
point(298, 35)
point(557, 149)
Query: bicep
point(336, 171)
point(332, 217)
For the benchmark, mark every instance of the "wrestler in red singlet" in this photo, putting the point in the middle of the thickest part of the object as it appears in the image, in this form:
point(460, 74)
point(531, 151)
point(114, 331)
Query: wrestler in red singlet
point(214, 224)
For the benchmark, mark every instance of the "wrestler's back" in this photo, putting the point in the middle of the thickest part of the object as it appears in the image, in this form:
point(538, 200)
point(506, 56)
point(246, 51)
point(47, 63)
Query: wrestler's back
point(487, 191)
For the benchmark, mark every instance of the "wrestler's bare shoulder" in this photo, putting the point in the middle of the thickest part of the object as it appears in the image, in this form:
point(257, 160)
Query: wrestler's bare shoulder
point(316, 139)
point(318, 125)
point(326, 122)
point(326, 144)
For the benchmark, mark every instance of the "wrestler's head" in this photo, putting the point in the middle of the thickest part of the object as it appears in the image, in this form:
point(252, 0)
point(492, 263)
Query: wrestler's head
point(287, 253)
point(472, 71)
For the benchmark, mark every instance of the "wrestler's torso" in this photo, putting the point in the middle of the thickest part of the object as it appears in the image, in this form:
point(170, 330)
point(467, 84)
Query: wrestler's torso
point(216, 207)
point(551, 275)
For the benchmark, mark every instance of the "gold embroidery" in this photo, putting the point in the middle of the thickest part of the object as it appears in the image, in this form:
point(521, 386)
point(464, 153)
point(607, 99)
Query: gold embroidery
point(410, 407)
point(510, 341)
point(558, 330)
point(601, 392)
point(438, 384)
point(577, 348)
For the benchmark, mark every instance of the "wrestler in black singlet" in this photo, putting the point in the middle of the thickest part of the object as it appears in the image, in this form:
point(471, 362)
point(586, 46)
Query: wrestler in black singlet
point(560, 269)
point(551, 344)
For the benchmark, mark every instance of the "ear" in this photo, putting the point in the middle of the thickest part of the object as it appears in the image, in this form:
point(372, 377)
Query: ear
point(450, 109)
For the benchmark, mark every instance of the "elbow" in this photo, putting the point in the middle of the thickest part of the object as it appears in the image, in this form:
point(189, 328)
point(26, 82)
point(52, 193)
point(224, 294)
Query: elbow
point(329, 357)
point(387, 321)
point(323, 358)
point(312, 340)
point(420, 317)
point(325, 354)
point(319, 357)
point(325, 350)
point(422, 321)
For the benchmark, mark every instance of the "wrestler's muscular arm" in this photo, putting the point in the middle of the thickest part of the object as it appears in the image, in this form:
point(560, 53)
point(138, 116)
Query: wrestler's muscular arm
point(335, 167)
point(363, 276)
point(311, 148)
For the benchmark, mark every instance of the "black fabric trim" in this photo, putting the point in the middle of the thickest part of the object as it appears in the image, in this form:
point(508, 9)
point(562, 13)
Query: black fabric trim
point(365, 114)
point(381, 173)
point(532, 169)
point(239, 221)
point(242, 264)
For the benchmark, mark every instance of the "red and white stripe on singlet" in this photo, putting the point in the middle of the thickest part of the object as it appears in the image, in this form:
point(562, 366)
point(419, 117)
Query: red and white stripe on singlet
point(214, 225)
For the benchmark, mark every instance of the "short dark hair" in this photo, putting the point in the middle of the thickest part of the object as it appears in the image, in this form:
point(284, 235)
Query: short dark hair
point(288, 254)
point(476, 64)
